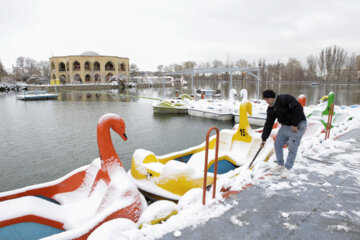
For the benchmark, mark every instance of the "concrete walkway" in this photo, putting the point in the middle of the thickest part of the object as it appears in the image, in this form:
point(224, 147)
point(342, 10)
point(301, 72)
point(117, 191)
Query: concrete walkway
point(318, 208)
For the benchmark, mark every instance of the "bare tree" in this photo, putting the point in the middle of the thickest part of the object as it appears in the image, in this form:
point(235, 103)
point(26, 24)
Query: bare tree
point(189, 65)
point(134, 70)
point(160, 68)
point(311, 68)
point(43, 69)
point(3, 72)
point(331, 62)
point(350, 66)
point(294, 71)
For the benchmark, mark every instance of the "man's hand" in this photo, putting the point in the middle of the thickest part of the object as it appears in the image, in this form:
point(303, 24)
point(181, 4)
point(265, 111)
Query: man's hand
point(262, 144)
point(294, 129)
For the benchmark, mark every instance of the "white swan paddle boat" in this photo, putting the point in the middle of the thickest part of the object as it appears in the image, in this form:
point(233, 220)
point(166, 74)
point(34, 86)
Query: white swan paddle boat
point(214, 109)
point(170, 176)
point(73, 206)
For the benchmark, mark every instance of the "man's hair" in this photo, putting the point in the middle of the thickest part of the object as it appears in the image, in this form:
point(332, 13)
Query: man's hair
point(268, 93)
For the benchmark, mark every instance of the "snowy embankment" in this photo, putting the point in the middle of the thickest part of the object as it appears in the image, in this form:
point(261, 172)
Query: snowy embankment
point(312, 157)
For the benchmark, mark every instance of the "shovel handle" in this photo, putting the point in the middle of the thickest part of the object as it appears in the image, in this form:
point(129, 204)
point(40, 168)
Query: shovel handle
point(255, 157)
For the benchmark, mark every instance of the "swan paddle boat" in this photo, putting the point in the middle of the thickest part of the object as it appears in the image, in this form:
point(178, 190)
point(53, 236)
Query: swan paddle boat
point(214, 109)
point(339, 117)
point(258, 116)
point(170, 176)
point(176, 105)
point(73, 206)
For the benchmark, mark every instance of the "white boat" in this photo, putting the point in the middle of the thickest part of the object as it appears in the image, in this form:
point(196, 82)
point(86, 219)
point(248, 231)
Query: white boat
point(258, 117)
point(36, 95)
point(214, 109)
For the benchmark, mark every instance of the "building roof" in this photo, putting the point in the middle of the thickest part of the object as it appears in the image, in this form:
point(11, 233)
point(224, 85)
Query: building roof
point(90, 53)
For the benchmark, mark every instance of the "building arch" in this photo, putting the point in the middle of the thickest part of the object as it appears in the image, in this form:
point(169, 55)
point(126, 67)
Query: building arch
point(97, 78)
point(52, 66)
point(122, 67)
point(77, 78)
point(87, 78)
point(76, 66)
point(87, 66)
point(96, 66)
point(53, 76)
point(109, 66)
point(61, 67)
point(62, 79)
point(108, 76)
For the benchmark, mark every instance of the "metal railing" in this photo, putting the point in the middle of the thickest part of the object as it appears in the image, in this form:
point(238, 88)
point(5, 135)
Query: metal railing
point(328, 125)
point(206, 161)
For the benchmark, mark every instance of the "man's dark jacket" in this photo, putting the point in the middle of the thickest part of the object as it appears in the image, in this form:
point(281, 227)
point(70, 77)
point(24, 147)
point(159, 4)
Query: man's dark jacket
point(287, 110)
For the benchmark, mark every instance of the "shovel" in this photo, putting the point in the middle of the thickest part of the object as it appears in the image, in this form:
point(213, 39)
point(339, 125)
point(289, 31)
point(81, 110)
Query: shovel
point(254, 158)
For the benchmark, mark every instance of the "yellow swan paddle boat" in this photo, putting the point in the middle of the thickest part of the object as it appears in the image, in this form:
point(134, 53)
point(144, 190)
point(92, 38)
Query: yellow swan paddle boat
point(170, 176)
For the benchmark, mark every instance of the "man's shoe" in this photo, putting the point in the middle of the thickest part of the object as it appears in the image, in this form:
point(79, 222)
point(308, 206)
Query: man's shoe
point(285, 174)
point(278, 168)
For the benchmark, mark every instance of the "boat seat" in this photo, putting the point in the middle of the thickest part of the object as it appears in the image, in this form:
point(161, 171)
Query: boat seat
point(225, 142)
point(174, 167)
point(31, 205)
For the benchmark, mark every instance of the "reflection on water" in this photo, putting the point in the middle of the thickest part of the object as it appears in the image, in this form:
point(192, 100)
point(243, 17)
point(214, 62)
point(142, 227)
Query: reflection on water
point(44, 140)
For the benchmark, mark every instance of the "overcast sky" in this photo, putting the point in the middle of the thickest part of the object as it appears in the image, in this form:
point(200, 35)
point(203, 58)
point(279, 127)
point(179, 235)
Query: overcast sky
point(154, 32)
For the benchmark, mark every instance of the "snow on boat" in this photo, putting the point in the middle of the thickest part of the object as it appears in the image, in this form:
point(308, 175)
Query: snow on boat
point(36, 95)
point(339, 116)
point(214, 109)
point(170, 176)
point(73, 206)
point(177, 105)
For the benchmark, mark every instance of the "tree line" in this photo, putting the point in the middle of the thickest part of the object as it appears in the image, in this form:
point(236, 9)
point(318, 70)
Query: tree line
point(25, 68)
point(332, 64)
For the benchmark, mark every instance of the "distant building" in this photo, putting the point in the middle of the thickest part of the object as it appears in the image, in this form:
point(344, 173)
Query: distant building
point(89, 67)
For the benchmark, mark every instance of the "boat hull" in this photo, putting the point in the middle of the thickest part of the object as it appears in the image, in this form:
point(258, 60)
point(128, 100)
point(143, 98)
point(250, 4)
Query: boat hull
point(211, 115)
point(253, 120)
point(169, 110)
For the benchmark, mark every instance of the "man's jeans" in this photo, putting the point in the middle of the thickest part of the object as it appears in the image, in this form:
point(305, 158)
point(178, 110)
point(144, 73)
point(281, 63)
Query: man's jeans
point(285, 135)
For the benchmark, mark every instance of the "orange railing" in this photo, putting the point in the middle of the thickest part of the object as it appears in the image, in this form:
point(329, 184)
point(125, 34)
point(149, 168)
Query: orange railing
point(206, 161)
point(328, 125)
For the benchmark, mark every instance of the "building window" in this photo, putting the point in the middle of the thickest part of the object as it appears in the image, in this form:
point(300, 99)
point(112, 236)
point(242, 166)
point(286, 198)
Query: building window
point(76, 66)
point(61, 67)
point(87, 66)
point(108, 76)
point(109, 66)
point(52, 66)
point(67, 66)
point(122, 67)
point(62, 79)
point(77, 78)
point(53, 76)
point(97, 78)
point(87, 78)
point(96, 66)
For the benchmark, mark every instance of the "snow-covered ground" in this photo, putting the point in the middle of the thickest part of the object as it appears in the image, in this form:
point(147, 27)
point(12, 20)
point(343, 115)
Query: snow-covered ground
point(316, 157)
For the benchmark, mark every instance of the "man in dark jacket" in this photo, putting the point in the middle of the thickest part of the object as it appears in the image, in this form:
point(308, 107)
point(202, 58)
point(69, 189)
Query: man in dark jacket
point(290, 114)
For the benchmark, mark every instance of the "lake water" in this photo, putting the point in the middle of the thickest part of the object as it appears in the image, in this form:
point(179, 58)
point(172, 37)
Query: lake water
point(43, 140)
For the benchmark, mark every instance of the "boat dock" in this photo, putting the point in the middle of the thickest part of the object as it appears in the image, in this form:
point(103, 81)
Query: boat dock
point(317, 208)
